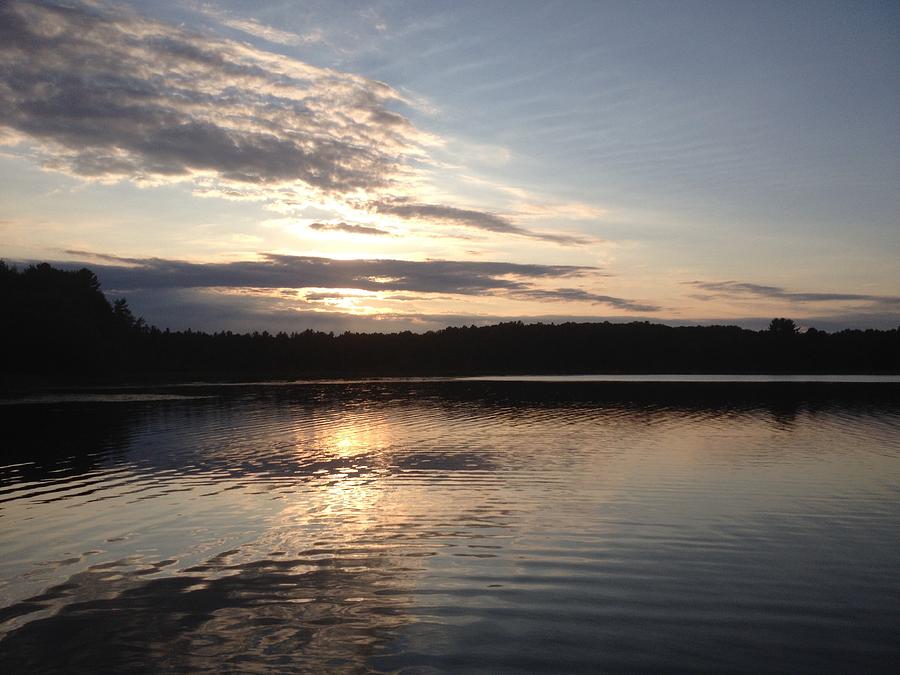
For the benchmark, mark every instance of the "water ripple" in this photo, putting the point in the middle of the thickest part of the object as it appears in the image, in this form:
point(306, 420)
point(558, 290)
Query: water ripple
point(484, 526)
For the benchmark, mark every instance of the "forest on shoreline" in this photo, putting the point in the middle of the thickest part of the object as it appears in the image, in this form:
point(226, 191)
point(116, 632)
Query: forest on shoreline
point(60, 327)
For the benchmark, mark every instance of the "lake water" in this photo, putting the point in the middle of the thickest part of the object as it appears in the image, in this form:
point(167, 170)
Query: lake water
point(431, 526)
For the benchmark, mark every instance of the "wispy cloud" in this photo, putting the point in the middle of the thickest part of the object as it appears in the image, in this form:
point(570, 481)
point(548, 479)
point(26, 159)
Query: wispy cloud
point(261, 30)
point(285, 271)
point(106, 94)
point(717, 289)
point(206, 309)
point(580, 295)
point(404, 280)
point(245, 295)
point(348, 228)
point(482, 220)
point(113, 95)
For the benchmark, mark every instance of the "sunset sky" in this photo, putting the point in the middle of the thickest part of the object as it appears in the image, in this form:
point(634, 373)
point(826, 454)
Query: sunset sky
point(408, 165)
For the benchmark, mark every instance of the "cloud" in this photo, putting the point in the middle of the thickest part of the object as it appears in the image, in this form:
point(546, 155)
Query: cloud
point(108, 94)
point(327, 295)
point(482, 220)
point(105, 94)
point(738, 289)
point(402, 278)
point(285, 271)
point(254, 27)
point(349, 228)
point(580, 295)
point(205, 309)
point(260, 30)
point(105, 257)
point(194, 298)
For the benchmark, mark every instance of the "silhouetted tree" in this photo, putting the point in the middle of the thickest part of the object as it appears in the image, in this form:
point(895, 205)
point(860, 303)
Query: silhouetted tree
point(58, 323)
point(123, 313)
point(783, 326)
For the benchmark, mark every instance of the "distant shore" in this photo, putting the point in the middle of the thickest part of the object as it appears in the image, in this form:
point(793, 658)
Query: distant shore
point(62, 330)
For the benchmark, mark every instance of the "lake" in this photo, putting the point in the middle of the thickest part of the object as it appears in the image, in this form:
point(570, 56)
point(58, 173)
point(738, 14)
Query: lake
point(473, 525)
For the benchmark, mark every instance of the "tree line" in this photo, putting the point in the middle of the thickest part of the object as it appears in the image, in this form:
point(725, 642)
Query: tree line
point(59, 325)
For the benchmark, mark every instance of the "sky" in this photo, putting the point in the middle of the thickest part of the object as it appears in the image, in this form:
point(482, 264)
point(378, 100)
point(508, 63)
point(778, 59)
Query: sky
point(395, 165)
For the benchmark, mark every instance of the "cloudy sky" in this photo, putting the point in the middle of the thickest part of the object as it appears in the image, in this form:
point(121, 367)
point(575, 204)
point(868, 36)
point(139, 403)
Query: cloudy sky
point(408, 165)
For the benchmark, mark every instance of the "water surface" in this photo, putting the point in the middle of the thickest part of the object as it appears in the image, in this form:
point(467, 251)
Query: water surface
point(490, 526)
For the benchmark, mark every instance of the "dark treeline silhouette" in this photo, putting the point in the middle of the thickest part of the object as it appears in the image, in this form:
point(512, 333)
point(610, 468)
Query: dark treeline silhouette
point(58, 325)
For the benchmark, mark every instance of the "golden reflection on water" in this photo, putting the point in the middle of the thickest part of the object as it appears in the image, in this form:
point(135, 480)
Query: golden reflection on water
point(336, 531)
point(352, 437)
point(343, 499)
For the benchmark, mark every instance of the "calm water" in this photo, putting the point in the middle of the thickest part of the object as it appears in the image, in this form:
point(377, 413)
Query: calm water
point(426, 526)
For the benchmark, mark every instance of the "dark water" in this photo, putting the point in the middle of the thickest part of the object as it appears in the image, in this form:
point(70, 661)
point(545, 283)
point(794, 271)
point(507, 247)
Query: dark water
point(453, 526)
